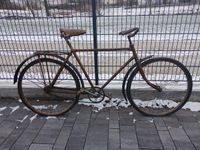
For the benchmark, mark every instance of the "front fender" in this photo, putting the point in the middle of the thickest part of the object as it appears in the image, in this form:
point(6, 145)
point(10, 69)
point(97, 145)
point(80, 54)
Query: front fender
point(128, 73)
point(37, 55)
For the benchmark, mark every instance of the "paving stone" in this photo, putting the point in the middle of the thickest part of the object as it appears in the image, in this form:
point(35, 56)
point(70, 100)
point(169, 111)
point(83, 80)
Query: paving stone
point(7, 112)
point(19, 114)
point(83, 116)
point(7, 144)
point(125, 119)
point(140, 117)
point(114, 119)
point(77, 138)
point(145, 127)
point(197, 116)
point(151, 141)
point(97, 137)
point(40, 147)
point(111, 128)
point(147, 135)
point(128, 138)
point(166, 140)
point(193, 132)
point(101, 118)
point(71, 118)
point(16, 133)
point(63, 138)
point(76, 108)
point(114, 139)
point(181, 139)
point(26, 139)
point(171, 121)
point(159, 123)
point(6, 128)
point(185, 116)
point(48, 134)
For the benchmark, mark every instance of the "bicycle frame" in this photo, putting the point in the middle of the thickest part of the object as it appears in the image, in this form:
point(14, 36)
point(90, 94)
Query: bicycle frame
point(134, 57)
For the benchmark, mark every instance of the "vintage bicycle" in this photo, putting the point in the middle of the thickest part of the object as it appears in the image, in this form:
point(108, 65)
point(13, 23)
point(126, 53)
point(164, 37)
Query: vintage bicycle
point(49, 84)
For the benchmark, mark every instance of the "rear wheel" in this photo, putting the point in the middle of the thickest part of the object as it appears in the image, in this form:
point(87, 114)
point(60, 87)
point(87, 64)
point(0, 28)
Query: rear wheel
point(174, 79)
point(37, 94)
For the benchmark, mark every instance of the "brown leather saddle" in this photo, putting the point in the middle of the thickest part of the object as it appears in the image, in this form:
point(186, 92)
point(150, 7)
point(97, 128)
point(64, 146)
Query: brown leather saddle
point(72, 32)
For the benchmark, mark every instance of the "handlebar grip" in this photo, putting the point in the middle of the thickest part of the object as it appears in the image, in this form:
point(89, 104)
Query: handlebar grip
point(134, 33)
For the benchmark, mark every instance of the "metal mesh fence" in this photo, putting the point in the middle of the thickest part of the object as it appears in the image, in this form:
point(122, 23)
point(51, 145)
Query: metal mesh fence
point(168, 28)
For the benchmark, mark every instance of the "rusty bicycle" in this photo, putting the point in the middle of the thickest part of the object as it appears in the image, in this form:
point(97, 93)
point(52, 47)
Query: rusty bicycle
point(49, 84)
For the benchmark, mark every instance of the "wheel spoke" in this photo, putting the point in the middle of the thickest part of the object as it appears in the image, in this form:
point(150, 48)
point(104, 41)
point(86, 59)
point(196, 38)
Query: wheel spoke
point(45, 99)
point(161, 72)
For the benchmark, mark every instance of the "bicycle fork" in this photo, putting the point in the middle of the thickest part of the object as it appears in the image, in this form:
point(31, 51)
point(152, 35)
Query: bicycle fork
point(158, 88)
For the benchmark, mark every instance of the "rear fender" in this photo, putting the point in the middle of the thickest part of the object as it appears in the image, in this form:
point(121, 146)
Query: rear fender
point(40, 54)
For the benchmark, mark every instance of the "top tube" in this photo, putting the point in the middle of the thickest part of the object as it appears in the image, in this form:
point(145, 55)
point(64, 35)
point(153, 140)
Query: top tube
point(104, 49)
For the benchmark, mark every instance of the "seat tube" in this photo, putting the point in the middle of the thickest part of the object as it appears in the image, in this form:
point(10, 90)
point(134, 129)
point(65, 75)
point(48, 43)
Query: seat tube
point(60, 70)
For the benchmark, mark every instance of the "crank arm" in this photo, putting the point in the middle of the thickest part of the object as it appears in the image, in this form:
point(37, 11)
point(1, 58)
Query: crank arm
point(84, 90)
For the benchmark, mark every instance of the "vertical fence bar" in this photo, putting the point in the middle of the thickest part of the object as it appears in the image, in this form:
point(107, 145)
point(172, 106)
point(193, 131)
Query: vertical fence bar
point(94, 22)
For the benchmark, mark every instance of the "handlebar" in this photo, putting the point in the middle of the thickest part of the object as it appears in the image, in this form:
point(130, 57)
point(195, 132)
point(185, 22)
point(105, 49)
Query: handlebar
point(134, 30)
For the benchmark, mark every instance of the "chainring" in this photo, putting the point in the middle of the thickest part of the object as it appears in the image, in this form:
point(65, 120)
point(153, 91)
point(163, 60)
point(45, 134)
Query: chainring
point(97, 95)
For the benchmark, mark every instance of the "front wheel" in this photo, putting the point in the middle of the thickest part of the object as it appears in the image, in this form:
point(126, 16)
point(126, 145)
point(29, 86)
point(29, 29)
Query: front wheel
point(169, 74)
point(37, 94)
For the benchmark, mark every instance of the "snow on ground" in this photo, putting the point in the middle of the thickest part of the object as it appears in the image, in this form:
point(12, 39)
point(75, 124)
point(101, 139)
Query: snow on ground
point(33, 117)
point(156, 52)
point(187, 9)
point(14, 109)
point(45, 107)
point(23, 119)
point(3, 108)
point(116, 102)
point(152, 37)
point(153, 11)
point(193, 106)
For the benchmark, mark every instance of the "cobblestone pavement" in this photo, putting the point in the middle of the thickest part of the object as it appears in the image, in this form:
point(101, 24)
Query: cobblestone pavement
point(82, 128)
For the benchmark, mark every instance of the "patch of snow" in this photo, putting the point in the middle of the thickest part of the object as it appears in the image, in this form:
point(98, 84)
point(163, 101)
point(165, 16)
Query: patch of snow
point(130, 113)
point(3, 108)
point(19, 100)
point(51, 117)
point(32, 118)
point(193, 106)
point(155, 104)
point(107, 118)
point(105, 104)
point(45, 107)
point(151, 121)
point(62, 118)
point(14, 109)
point(26, 108)
point(23, 119)
point(1, 114)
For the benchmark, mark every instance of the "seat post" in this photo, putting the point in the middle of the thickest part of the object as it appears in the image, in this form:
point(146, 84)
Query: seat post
point(68, 42)
point(129, 39)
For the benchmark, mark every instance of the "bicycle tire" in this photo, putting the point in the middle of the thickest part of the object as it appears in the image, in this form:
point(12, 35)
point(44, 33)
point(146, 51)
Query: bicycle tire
point(36, 95)
point(174, 79)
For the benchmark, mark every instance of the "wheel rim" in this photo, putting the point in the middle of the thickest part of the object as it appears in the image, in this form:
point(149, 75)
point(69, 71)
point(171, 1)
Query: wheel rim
point(171, 76)
point(43, 99)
